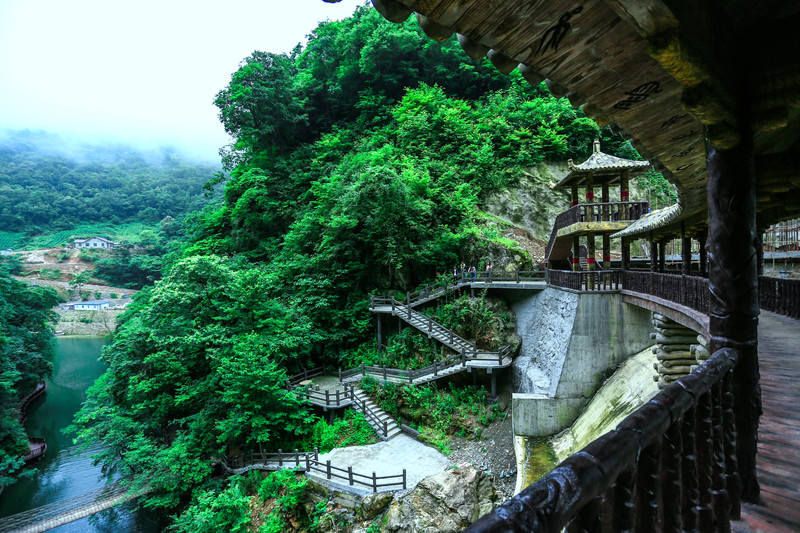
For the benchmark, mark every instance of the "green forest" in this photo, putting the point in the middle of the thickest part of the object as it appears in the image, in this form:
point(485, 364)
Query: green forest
point(359, 166)
point(53, 188)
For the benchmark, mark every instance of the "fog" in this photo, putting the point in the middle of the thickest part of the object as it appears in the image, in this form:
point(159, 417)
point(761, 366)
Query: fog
point(142, 73)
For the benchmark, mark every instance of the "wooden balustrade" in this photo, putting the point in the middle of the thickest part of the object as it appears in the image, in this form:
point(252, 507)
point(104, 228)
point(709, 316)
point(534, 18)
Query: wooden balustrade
point(779, 295)
point(586, 280)
point(596, 212)
point(689, 291)
point(669, 466)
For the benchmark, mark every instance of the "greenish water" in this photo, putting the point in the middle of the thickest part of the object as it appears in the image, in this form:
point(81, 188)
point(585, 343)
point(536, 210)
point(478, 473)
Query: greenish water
point(64, 472)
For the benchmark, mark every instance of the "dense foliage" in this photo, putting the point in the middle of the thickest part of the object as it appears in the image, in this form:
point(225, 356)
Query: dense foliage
point(48, 184)
point(360, 164)
point(26, 352)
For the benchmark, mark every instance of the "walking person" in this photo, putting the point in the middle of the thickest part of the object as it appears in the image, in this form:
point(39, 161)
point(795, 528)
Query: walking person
point(463, 271)
point(474, 273)
point(489, 272)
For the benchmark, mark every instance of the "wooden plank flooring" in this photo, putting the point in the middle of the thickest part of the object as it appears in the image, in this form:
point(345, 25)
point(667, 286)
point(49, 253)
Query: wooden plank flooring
point(778, 461)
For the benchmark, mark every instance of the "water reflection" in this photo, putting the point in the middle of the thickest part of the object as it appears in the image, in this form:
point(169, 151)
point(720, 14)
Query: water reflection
point(64, 472)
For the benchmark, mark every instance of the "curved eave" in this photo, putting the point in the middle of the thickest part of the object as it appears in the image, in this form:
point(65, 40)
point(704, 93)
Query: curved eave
point(649, 73)
point(652, 221)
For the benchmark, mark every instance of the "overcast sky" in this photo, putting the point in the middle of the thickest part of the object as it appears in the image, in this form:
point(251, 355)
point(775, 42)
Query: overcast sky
point(144, 71)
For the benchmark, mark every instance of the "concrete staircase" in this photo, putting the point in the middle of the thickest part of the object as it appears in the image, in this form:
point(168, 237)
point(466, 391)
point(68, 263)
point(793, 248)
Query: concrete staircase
point(376, 417)
point(434, 330)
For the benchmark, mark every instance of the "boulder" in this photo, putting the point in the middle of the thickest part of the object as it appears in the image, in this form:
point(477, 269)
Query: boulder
point(446, 502)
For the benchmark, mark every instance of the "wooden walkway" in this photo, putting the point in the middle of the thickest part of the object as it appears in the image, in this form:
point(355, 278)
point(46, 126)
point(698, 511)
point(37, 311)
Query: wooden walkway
point(778, 461)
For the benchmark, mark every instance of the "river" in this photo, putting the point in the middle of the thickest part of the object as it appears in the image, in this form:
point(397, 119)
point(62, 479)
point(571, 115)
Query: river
point(63, 472)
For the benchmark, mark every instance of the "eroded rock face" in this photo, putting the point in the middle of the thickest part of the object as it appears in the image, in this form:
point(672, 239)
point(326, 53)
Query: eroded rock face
point(531, 203)
point(446, 502)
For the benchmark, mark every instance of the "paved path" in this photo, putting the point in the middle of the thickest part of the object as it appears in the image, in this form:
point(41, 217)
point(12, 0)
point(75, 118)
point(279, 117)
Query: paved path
point(778, 460)
point(390, 458)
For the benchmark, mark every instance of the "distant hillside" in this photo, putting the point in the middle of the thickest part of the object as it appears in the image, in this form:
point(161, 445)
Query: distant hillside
point(49, 185)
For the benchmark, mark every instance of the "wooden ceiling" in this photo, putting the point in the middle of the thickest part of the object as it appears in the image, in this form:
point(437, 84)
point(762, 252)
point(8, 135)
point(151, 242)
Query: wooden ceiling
point(667, 74)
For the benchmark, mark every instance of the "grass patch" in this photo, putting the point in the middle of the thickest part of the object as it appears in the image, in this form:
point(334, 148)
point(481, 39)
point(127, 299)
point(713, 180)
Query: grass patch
point(350, 430)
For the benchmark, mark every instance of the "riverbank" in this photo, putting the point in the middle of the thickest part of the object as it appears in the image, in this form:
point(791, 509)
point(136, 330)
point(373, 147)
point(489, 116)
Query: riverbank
point(87, 323)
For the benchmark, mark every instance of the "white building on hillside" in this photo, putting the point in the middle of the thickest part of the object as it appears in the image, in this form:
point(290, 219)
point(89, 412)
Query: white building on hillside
point(91, 306)
point(93, 242)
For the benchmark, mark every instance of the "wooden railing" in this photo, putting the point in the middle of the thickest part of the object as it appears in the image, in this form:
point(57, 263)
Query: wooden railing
point(780, 296)
point(338, 398)
point(669, 466)
point(594, 280)
point(451, 283)
point(433, 370)
point(690, 291)
point(309, 462)
point(596, 212)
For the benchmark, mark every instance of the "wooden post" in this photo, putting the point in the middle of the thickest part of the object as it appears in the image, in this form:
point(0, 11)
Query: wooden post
point(662, 256)
point(350, 475)
point(404, 479)
point(574, 196)
point(686, 253)
point(327, 397)
point(653, 254)
point(605, 199)
point(606, 252)
point(516, 274)
point(380, 333)
point(576, 253)
point(374, 483)
point(308, 462)
point(328, 468)
point(703, 238)
point(733, 283)
point(280, 457)
point(626, 254)
point(296, 457)
point(590, 252)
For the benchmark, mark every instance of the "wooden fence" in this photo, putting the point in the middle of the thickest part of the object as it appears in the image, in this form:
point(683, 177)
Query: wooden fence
point(594, 280)
point(689, 291)
point(780, 296)
point(338, 398)
point(596, 212)
point(458, 359)
point(452, 283)
point(670, 466)
point(309, 462)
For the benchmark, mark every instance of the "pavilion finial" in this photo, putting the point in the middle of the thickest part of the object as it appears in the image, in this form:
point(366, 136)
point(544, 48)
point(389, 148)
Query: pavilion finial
point(596, 146)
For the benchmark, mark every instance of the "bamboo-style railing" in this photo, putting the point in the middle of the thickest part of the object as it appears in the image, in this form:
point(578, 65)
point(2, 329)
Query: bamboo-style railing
point(687, 290)
point(780, 296)
point(670, 466)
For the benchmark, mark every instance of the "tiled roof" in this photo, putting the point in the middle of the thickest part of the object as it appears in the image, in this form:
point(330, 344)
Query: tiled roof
point(650, 221)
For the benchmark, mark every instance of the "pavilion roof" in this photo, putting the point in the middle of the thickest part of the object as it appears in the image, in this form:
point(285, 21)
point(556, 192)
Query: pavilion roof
point(602, 168)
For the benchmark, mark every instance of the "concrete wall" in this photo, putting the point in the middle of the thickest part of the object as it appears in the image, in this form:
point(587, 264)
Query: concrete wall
point(571, 344)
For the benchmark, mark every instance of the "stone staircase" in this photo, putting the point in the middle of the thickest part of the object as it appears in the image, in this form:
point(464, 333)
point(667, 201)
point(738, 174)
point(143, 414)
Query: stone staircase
point(383, 424)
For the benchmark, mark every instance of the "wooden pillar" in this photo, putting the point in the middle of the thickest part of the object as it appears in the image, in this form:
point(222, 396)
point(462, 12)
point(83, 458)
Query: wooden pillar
point(662, 256)
point(703, 239)
point(626, 254)
point(606, 251)
point(733, 282)
point(380, 333)
point(760, 252)
point(590, 252)
point(686, 252)
point(624, 191)
point(575, 200)
point(653, 254)
point(576, 253)
point(589, 189)
point(605, 199)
